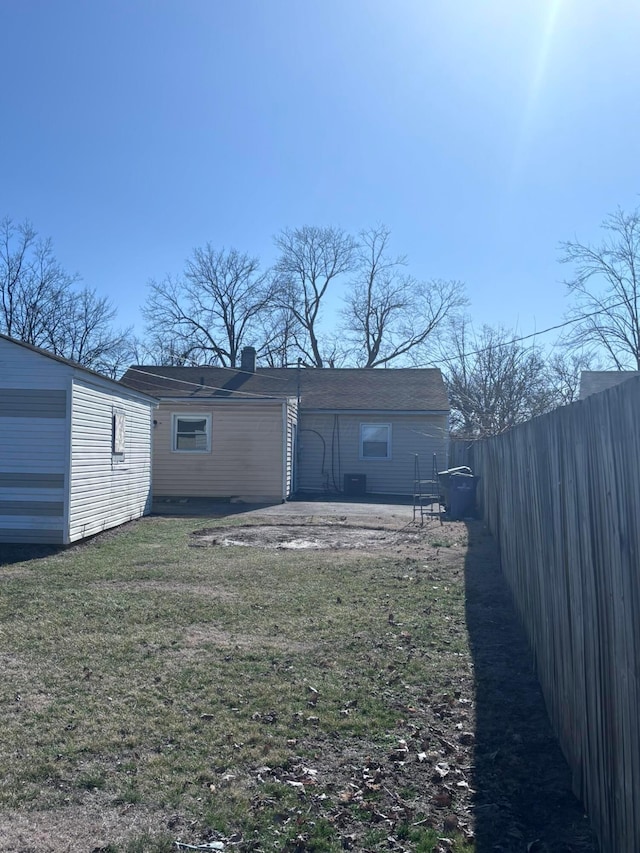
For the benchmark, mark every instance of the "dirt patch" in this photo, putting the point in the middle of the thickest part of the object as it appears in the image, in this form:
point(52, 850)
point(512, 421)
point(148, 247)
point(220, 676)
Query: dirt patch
point(93, 824)
point(409, 539)
point(173, 587)
point(200, 635)
point(12, 574)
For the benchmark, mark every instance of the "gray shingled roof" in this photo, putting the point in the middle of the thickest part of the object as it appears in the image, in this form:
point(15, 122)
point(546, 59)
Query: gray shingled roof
point(402, 389)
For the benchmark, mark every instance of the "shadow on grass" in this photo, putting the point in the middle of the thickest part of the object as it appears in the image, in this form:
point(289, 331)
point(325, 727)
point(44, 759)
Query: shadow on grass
point(223, 507)
point(522, 781)
point(10, 554)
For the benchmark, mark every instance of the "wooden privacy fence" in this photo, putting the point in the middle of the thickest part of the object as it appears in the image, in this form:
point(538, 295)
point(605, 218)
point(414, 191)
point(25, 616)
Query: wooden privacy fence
point(561, 494)
point(462, 452)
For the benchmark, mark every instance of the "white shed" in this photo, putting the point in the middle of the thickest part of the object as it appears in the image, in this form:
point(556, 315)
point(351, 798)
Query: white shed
point(75, 448)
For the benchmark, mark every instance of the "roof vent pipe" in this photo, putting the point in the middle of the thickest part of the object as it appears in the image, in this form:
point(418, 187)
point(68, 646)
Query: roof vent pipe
point(248, 360)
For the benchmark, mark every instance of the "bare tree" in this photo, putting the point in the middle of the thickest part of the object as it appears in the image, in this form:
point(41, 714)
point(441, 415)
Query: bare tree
point(494, 382)
point(564, 369)
point(40, 304)
point(32, 283)
point(311, 258)
point(389, 314)
point(157, 349)
point(606, 290)
point(83, 332)
point(213, 310)
point(280, 332)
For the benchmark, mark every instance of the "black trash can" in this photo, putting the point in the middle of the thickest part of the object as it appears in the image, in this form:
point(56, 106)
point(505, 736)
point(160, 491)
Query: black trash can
point(462, 495)
point(444, 479)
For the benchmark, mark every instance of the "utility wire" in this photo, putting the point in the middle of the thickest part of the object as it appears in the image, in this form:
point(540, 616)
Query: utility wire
point(232, 392)
point(532, 334)
point(432, 362)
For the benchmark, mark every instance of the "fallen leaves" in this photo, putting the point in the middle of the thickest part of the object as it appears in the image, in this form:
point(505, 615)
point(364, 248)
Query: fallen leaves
point(441, 770)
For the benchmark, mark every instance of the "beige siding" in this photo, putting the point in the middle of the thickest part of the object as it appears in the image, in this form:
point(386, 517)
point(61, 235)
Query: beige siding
point(330, 448)
point(34, 432)
point(245, 459)
point(107, 489)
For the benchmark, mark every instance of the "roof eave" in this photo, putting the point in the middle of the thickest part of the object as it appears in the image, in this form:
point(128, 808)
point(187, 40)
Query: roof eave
point(363, 411)
point(165, 398)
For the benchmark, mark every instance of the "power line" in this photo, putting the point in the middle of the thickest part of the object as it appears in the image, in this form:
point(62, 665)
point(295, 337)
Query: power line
point(203, 387)
point(534, 334)
point(220, 367)
point(438, 361)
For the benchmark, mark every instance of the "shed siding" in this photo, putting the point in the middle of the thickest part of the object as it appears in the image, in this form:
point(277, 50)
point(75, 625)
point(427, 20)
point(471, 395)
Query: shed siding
point(32, 478)
point(246, 456)
point(23, 369)
point(35, 451)
point(32, 535)
point(33, 446)
point(330, 448)
point(31, 507)
point(22, 480)
point(107, 489)
point(32, 403)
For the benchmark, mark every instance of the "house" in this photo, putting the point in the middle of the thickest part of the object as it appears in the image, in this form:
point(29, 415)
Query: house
point(263, 434)
point(594, 381)
point(75, 448)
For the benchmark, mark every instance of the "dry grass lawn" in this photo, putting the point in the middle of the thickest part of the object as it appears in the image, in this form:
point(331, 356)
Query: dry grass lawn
point(170, 684)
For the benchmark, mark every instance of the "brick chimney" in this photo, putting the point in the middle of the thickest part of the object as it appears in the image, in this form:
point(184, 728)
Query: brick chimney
point(248, 360)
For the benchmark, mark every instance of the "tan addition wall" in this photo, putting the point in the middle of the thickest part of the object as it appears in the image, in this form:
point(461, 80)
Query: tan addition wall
point(246, 458)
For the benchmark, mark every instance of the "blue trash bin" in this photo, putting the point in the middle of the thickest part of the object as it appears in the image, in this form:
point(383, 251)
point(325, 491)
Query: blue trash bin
point(462, 495)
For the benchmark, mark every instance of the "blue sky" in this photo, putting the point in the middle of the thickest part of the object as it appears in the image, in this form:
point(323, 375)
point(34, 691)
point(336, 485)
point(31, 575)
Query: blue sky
point(482, 132)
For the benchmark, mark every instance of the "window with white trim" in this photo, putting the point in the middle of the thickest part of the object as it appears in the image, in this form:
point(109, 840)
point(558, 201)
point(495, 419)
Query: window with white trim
point(118, 432)
point(375, 441)
point(191, 434)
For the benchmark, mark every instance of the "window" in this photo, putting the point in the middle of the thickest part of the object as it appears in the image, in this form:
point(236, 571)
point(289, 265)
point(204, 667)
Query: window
point(118, 428)
point(192, 433)
point(375, 441)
